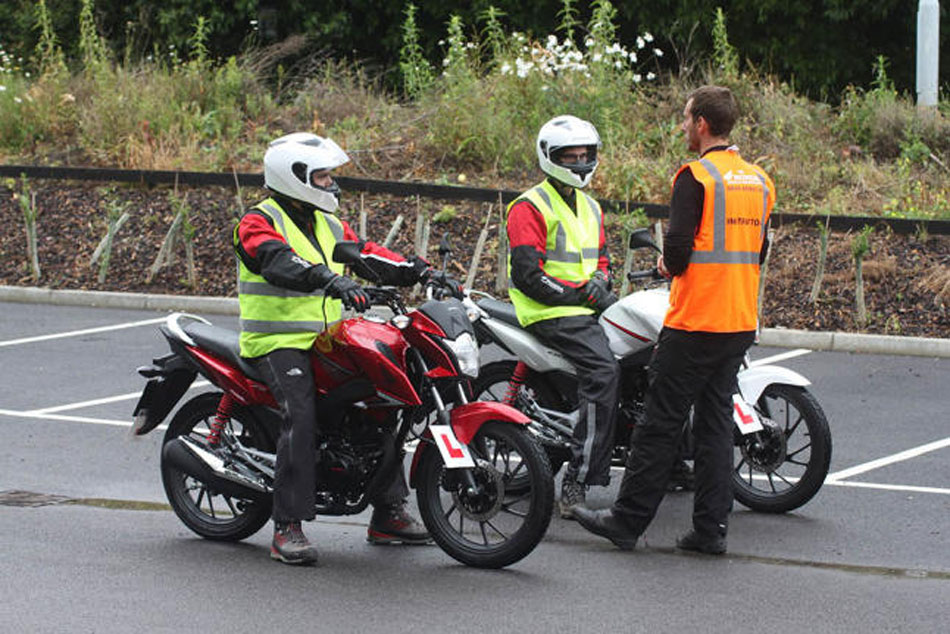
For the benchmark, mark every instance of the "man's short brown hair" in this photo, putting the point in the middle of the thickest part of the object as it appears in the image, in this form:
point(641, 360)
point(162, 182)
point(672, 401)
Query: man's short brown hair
point(718, 106)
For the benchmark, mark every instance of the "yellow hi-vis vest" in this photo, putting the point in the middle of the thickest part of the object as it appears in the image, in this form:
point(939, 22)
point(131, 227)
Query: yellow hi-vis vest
point(572, 250)
point(718, 291)
point(274, 317)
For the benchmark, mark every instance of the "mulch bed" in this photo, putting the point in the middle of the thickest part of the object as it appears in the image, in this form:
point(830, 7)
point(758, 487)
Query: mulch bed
point(907, 278)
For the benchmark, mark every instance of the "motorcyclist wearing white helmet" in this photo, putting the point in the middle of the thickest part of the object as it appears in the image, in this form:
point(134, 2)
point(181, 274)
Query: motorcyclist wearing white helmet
point(290, 289)
point(559, 272)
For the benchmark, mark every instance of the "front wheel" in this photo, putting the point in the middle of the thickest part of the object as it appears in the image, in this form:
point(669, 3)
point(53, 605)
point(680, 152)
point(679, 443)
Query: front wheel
point(781, 467)
point(490, 525)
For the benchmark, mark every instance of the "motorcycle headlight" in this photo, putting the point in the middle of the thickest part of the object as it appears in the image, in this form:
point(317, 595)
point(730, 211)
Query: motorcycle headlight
point(466, 351)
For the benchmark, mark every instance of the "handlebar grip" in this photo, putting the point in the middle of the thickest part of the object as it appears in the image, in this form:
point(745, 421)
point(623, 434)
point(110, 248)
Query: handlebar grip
point(644, 275)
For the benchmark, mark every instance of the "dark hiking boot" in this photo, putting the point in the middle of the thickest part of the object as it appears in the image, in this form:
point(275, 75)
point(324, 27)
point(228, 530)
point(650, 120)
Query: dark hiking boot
point(605, 523)
point(394, 525)
point(291, 546)
point(573, 494)
point(705, 543)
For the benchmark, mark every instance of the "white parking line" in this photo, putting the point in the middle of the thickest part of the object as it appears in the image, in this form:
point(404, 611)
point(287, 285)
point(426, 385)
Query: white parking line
point(791, 354)
point(101, 401)
point(86, 331)
point(887, 460)
point(888, 487)
point(70, 419)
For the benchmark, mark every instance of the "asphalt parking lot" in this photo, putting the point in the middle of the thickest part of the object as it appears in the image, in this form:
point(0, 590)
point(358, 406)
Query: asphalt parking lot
point(68, 386)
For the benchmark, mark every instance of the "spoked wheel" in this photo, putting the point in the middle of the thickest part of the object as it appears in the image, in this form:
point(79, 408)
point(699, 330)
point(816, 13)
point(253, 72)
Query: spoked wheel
point(207, 512)
point(488, 526)
point(782, 467)
point(492, 385)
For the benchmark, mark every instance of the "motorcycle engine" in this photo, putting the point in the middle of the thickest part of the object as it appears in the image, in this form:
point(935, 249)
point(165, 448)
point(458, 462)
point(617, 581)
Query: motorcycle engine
point(344, 469)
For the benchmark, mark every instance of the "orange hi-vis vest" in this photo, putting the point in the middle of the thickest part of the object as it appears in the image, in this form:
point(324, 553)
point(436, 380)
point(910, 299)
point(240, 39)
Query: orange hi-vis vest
point(718, 291)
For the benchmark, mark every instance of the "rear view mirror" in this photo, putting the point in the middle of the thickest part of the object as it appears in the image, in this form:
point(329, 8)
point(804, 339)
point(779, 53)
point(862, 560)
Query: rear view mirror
point(642, 238)
point(346, 252)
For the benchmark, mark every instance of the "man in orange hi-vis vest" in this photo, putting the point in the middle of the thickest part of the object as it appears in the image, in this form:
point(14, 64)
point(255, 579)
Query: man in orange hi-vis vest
point(713, 248)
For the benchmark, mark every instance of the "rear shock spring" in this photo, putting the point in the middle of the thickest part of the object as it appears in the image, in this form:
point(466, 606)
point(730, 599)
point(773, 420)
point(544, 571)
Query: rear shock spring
point(221, 418)
point(514, 384)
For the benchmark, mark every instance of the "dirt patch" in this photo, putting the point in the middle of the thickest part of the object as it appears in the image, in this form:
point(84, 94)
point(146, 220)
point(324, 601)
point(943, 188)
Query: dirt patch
point(907, 278)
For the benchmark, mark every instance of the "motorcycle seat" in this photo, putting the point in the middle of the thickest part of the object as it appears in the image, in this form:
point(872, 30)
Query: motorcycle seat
point(222, 343)
point(499, 310)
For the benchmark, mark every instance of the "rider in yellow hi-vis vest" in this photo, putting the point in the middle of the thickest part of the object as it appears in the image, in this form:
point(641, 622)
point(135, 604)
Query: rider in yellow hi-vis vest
point(716, 239)
point(273, 317)
point(559, 281)
point(290, 290)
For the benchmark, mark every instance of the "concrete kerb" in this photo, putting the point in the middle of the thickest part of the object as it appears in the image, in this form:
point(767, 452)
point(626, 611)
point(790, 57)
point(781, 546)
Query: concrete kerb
point(779, 337)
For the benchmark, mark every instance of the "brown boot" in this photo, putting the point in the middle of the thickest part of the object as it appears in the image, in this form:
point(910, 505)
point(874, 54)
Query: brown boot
point(291, 546)
point(394, 525)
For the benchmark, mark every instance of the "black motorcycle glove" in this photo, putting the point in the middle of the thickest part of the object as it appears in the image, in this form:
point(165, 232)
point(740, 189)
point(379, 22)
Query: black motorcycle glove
point(349, 292)
point(443, 281)
point(420, 270)
point(597, 294)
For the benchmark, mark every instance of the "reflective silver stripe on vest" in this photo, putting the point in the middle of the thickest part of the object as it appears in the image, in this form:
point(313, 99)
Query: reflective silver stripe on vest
point(719, 254)
point(275, 213)
point(263, 288)
point(560, 252)
point(336, 228)
point(593, 206)
point(281, 327)
point(765, 204)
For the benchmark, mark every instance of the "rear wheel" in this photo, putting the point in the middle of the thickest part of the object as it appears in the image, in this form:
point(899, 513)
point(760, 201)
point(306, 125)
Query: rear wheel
point(782, 467)
point(205, 511)
point(488, 526)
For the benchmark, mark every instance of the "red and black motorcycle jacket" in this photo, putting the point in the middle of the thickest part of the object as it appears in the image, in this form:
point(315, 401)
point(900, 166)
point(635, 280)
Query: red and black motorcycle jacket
point(264, 250)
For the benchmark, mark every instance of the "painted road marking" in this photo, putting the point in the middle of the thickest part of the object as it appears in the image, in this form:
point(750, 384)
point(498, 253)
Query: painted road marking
point(86, 331)
point(888, 460)
point(102, 401)
point(791, 354)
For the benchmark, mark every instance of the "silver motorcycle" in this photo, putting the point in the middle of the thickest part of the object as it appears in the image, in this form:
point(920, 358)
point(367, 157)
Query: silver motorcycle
point(782, 438)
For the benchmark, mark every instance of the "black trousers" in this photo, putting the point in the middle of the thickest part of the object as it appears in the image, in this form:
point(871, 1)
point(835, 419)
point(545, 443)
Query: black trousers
point(289, 376)
point(688, 369)
point(581, 339)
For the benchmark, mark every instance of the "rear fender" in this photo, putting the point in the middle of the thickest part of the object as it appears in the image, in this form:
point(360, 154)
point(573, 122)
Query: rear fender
point(466, 420)
point(169, 377)
point(754, 380)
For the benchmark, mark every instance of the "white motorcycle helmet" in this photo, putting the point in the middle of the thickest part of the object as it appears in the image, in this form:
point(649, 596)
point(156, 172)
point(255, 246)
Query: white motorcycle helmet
point(563, 132)
point(291, 159)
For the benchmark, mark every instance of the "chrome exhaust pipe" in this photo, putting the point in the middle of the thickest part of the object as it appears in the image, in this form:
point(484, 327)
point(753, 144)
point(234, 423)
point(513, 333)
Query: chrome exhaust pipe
point(193, 460)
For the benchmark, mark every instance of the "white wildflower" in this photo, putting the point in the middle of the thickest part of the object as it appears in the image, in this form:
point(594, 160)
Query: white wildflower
point(589, 42)
point(658, 52)
point(651, 76)
point(648, 37)
point(505, 69)
point(641, 42)
point(18, 100)
point(637, 77)
point(597, 57)
point(2, 88)
point(618, 64)
point(524, 68)
point(633, 57)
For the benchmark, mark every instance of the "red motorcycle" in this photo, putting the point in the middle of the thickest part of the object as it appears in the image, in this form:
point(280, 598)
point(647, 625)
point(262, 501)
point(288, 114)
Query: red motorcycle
point(382, 382)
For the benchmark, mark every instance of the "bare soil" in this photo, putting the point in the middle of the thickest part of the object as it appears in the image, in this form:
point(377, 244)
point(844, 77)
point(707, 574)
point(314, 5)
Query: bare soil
point(907, 278)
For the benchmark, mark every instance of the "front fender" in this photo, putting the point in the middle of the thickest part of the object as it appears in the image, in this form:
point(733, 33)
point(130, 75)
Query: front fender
point(466, 420)
point(754, 380)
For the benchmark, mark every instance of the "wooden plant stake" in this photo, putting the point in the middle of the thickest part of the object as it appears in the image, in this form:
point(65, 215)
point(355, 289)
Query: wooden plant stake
point(479, 245)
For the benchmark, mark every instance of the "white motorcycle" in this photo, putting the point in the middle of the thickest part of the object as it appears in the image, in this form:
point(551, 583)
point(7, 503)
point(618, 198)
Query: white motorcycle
point(782, 438)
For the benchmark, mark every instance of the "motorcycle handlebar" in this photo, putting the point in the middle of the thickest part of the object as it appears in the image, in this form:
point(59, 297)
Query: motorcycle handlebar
point(652, 274)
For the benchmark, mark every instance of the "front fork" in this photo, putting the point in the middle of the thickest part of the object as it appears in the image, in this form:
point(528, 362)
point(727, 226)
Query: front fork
point(444, 418)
